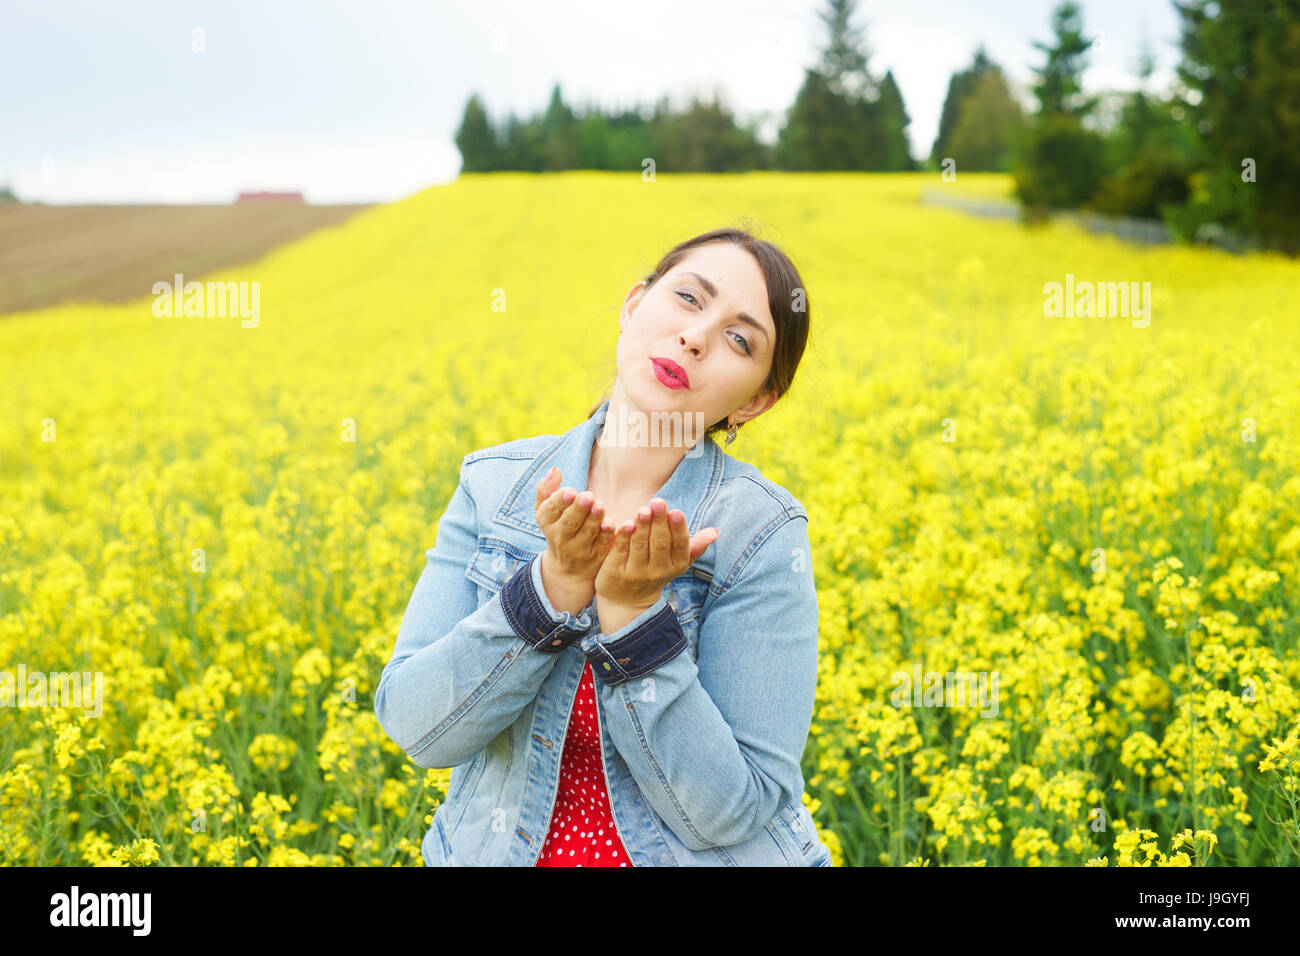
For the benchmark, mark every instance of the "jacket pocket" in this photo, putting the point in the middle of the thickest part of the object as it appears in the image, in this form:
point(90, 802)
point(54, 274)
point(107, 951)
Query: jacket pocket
point(688, 592)
point(800, 831)
point(686, 596)
point(492, 564)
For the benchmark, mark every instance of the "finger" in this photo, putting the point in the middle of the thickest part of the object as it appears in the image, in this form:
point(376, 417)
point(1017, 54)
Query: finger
point(616, 560)
point(576, 513)
point(550, 510)
point(681, 549)
point(604, 538)
point(639, 546)
point(700, 542)
point(661, 536)
point(546, 486)
point(593, 520)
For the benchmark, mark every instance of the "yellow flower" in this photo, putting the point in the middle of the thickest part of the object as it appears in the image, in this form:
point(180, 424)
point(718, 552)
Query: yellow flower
point(271, 752)
point(980, 503)
point(141, 852)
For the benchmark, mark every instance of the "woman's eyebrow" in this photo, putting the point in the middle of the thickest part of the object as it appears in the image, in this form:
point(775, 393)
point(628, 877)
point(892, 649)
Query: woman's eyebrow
point(712, 290)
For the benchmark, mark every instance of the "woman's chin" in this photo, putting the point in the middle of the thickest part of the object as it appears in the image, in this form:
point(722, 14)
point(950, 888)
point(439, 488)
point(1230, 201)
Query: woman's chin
point(648, 398)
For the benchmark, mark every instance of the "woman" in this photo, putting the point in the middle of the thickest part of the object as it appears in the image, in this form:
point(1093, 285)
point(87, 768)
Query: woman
point(611, 690)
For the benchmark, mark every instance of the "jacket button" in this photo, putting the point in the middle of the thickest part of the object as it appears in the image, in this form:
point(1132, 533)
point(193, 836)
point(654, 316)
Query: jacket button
point(607, 667)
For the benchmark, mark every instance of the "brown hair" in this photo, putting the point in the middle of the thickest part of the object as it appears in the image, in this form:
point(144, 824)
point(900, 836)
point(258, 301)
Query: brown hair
point(786, 298)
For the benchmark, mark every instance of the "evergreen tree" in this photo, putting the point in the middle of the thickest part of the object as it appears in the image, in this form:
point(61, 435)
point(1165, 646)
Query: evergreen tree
point(888, 121)
point(989, 117)
point(1060, 80)
point(704, 137)
point(844, 60)
point(1240, 65)
point(559, 134)
point(524, 142)
point(479, 150)
point(630, 140)
point(1058, 160)
point(819, 132)
point(843, 118)
point(1151, 152)
point(960, 85)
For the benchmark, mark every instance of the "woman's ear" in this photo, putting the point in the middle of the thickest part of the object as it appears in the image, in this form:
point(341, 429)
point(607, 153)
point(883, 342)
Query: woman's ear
point(758, 404)
point(630, 302)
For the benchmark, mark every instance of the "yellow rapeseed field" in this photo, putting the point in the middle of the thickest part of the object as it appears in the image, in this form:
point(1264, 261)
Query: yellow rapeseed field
point(227, 523)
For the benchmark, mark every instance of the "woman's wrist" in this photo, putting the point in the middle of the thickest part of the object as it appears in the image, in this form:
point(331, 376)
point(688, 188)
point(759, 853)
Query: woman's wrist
point(564, 592)
point(614, 617)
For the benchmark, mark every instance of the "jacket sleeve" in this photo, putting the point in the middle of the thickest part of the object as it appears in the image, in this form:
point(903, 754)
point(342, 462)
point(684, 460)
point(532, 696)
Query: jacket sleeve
point(715, 747)
point(460, 672)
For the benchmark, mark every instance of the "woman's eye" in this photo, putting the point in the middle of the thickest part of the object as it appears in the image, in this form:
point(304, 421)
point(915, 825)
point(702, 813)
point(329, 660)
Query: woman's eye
point(742, 341)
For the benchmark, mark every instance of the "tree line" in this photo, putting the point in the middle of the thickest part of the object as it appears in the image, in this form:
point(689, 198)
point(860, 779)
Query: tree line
point(1212, 156)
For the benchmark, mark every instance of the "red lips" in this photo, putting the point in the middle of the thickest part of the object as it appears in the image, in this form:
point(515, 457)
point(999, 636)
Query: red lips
point(673, 369)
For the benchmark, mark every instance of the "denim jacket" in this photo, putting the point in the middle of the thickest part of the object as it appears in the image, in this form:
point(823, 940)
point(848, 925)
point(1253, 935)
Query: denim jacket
point(704, 701)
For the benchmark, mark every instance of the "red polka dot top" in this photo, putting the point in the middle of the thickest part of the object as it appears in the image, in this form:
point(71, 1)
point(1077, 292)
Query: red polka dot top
point(582, 826)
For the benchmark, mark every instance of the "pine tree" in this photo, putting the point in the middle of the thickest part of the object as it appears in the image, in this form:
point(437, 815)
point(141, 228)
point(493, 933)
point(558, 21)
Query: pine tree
point(559, 134)
point(960, 85)
point(1060, 80)
point(479, 150)
point(843, 118)
point(1151, 152)
point(1240, 65)
point(988, 119)
point(888, 118)
point(1058, 160)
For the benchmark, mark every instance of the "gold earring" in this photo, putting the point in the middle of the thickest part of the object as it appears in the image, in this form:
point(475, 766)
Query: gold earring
point(731, 432)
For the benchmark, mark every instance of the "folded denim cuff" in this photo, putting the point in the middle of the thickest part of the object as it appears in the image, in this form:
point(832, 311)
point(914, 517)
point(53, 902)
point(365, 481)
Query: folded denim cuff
point(534, 618)
point(645, 643)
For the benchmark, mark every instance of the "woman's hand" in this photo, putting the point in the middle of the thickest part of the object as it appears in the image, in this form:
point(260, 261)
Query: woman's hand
point(646, 556)
point(577, 537)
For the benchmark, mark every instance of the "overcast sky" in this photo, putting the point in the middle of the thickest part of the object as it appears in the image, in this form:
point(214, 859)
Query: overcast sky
point(359, 100)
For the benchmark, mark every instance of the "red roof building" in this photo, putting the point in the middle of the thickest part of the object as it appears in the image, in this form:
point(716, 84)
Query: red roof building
point(270, 197)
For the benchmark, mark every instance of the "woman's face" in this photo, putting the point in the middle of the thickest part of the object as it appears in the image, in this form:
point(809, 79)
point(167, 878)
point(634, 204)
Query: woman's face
point(691, 316)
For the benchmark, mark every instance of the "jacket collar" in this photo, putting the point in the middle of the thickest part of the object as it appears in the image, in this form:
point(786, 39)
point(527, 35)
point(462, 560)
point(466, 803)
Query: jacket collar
point(690, 488)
